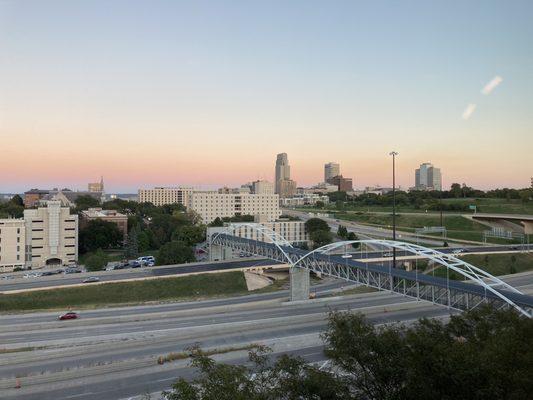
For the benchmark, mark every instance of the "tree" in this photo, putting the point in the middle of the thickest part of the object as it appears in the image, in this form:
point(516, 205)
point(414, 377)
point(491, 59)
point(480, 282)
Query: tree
point(286, 378)
point(320, 204)
point(456, 190)
point(189, 234)
point(342, 231)
point(316, 224)
point(131, 247)
point(99, 234)
point(85, 202)
point(353, 236)
point(96, 261)
point(217, 222)
point(17, 200)
point(321, 238)
point(480, 354)
point(512, 268)
point(175, 252)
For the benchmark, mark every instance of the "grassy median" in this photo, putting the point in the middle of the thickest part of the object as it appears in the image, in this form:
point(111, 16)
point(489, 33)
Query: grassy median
point(164, 289)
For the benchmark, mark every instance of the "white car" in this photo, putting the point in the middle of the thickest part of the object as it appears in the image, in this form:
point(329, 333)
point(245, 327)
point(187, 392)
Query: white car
point(457, 251)
point(346, 256)
point(388, 254)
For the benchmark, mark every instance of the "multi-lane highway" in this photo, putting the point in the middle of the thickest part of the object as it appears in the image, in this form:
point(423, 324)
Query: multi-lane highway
point(112, 353)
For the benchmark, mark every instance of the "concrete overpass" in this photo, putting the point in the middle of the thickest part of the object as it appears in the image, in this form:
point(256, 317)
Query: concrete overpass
point(513, 222)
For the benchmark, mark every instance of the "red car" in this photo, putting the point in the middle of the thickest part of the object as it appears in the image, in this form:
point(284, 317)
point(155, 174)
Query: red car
point(68, 315)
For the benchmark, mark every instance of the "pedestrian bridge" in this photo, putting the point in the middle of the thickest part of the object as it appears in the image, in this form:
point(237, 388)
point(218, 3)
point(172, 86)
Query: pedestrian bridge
point(477, 288)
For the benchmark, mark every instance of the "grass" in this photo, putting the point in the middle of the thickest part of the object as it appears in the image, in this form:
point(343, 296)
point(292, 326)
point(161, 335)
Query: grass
point(223, 350)
point(494, 264)
point(458, 227)
point(182, 288)
point(489, 205)
point(18, 349)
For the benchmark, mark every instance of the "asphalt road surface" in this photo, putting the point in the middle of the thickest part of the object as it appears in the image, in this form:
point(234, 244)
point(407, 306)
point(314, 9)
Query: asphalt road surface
point(111, 353)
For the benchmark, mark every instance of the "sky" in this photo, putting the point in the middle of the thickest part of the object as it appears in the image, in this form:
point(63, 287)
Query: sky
point(207, 93)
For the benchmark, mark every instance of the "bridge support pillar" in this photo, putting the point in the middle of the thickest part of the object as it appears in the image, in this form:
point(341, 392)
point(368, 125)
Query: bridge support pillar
point(219, 253)
point(299, 284)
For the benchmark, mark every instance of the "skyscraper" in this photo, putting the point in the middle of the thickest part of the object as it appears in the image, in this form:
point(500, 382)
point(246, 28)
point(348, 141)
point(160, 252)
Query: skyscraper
point(428, 177)
point(331, 170)
point(285, 187)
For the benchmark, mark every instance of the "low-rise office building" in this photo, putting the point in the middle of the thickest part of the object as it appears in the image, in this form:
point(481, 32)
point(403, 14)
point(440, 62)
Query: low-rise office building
point(161, 196)
point(51, 236)
point(12, 244)
point(46, 236)
point(212, 205)
point(303, 200)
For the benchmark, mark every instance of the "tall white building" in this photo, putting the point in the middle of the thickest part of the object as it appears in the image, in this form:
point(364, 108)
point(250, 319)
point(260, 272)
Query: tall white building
point(161, 196)
point(262, 187)
point(331, 170)
point(428, 177)
point(51, 236)
point(210, 205)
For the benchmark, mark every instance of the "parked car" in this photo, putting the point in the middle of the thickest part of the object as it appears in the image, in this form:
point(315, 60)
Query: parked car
point(72, 271)
point(134, 264)
point(145, 260)
point(91, 279)
point(68, 315)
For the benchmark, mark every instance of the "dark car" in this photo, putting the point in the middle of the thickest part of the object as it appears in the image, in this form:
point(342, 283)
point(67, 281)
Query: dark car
point(68, 315)
point(134, 264)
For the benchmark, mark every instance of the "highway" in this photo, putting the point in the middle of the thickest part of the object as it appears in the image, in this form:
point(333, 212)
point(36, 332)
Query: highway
point(112, 353)
point(366, 231)
point(20, 283)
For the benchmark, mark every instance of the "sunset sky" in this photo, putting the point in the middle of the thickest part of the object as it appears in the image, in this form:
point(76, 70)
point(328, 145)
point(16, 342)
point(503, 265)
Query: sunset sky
point(207, 92)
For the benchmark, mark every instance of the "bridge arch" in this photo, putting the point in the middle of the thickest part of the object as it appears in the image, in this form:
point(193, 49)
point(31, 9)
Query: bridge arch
point(274, 237)
point(469, 271)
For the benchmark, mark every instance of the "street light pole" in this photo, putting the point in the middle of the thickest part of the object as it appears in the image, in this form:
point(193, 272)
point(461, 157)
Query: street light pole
point(393, 154)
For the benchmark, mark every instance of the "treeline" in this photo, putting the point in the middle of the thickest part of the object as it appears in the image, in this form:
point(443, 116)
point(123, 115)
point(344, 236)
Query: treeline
point(480, 354)
point(429, 200)
point(14, 208)
point(170, 229)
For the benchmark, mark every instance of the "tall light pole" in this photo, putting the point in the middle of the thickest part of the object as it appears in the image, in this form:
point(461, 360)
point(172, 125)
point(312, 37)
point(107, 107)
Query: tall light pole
point(393, 154)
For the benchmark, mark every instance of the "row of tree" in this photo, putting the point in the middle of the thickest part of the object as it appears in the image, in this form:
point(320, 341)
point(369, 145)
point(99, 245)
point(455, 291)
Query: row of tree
point(170, 229)
point(14, 208)
point(477, 355)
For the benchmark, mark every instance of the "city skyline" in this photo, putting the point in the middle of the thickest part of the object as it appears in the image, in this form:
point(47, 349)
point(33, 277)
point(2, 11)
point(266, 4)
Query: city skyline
point(210, 92)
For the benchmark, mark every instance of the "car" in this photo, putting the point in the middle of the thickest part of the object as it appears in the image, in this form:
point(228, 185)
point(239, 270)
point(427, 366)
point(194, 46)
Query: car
point(346, 256)
point(91, 279)
point(68, 315)
point(134, 264)
point(389, 254)
point(515, 248)
point(47, 273)
point(72, 271)
point(457, 251)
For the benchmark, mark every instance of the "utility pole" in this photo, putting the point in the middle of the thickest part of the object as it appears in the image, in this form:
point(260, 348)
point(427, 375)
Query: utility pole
point(393, 154)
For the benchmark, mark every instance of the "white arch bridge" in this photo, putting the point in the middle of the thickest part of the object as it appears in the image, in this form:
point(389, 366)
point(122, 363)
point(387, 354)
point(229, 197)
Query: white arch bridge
point(478, 287)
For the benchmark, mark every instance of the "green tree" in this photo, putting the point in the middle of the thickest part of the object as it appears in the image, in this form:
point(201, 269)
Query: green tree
point(316, 224)
point(96, 261)
point(320, 204)
point(175, 252)
point(321, 238)
point(353, 236)
point(456, 190)
point(131, 246)
point(17, 200)
point(190, 234)
point(85, 202)
point(342, 231)
point(99, 234)
point(512, 268)
point(217, 222)
point(480, 354)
